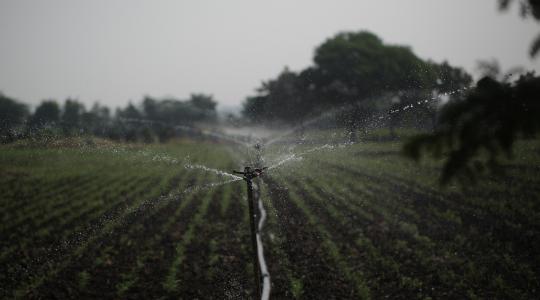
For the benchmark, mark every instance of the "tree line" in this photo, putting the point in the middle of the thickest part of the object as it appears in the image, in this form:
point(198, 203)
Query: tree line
point(361, 74)
point(150, 120)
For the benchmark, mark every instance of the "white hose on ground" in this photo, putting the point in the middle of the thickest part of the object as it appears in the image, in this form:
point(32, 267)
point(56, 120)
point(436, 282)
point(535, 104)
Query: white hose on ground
point(265, 295)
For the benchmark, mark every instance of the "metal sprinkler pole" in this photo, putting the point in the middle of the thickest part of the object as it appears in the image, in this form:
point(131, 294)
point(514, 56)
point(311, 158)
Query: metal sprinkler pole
point(249, 174)
point(256, 269)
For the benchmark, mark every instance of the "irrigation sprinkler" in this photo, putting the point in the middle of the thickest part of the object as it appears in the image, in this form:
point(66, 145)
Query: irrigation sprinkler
point(259, 161)
point(248, 176)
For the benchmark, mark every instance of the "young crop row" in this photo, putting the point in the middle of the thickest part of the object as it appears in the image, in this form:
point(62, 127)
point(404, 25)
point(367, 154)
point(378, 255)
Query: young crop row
point(164, 254)
point(284, 283)
point(98, 221)
point(112, 262)
point(69, 226)
point(408, 238)
point(311, 255)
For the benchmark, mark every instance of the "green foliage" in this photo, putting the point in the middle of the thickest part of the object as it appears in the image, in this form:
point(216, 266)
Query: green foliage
point(296, 288)
point(473, 134)
point(254, 108)
point(12, 116)
point(279, 99)
point(48, 112)
point(449, 78)
point(355, 71)
point(172, 281)
point(358, 65)
point(152, 120)
point(71, 116)
point(84, 278)
point(204, 103)
point(159, 117)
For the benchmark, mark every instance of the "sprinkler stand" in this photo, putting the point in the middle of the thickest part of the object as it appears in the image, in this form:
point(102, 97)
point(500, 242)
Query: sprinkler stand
point(248, 176)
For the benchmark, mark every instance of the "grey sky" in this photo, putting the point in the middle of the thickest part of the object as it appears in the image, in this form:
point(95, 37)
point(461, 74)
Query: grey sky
point(115, 51)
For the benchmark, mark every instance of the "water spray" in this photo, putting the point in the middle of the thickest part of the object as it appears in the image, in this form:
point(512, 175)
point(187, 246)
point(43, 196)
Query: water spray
point(248, 175)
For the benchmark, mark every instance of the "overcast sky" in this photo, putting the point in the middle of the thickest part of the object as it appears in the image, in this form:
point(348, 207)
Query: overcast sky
point(115, 51)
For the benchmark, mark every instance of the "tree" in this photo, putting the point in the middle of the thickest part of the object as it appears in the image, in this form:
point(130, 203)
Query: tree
point(203, 102)
point(357, 72)
point(282, 99)
point(127, 122)
point(449, 78)
point(130, 112)
point(357, 65)
point(96, 120)
point(254, 108)
point(150, 108)
point(12, 116)
point(71, 116)
point(47, 113)
point(162, 117)
point(473, 133)
point(205, 106)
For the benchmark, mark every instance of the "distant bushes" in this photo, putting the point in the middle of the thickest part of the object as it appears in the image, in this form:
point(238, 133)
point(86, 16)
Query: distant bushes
point(150, 121)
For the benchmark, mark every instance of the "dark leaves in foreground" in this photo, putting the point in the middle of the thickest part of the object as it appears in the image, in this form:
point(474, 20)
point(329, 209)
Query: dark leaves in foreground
point(472, 135)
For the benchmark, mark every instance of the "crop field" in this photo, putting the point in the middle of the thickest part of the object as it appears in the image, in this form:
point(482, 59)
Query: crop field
point(96, 219)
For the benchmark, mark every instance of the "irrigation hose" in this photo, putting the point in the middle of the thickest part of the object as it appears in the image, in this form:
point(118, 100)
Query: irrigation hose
point(265, 295)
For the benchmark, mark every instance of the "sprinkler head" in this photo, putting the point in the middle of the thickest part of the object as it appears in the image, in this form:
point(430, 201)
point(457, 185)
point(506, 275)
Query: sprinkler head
point(250, 173)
